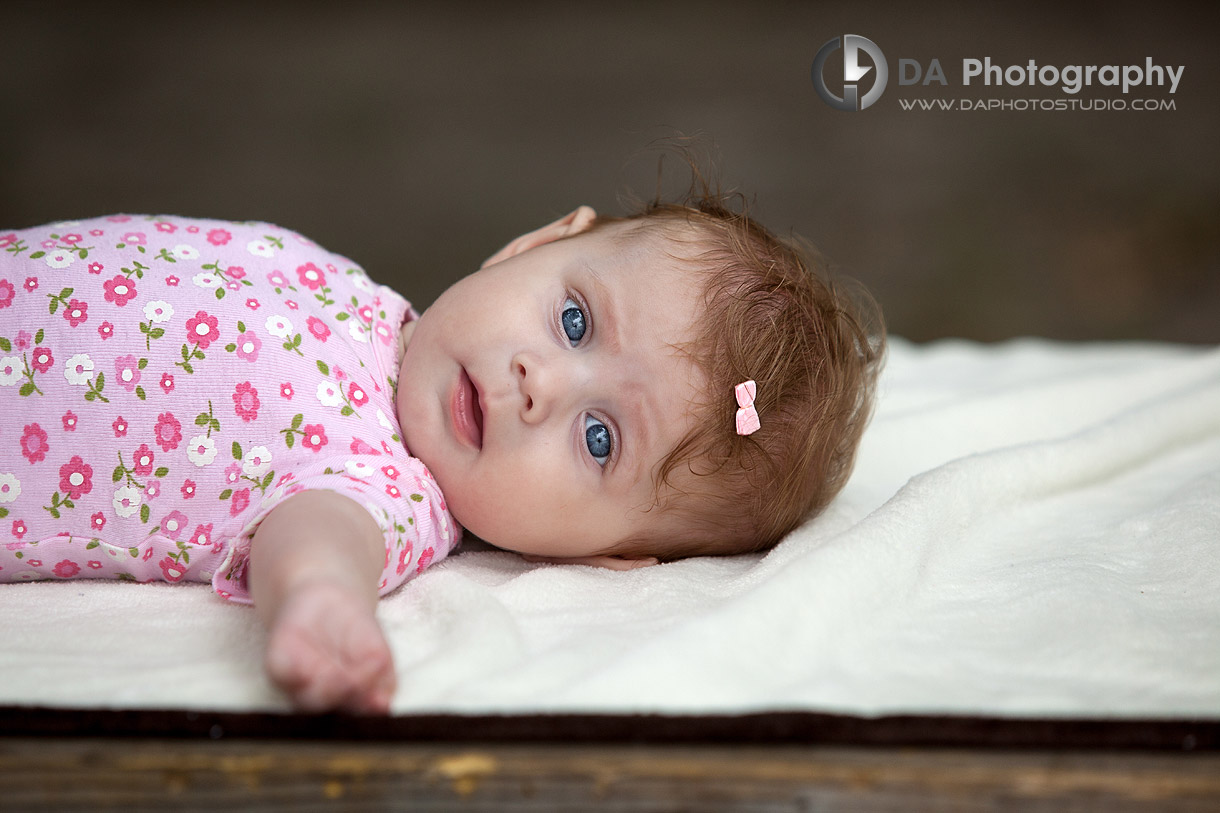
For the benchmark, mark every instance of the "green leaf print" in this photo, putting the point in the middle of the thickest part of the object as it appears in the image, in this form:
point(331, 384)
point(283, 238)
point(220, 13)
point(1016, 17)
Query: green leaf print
point(323, 369)
point(5, 344)
point(236, 450)
point(38, 337)
point(56, 502)
point(189, 353)
point(138, 268)
point(96, 385)
point(144, 512)
point(207, 419)
point(60, 299)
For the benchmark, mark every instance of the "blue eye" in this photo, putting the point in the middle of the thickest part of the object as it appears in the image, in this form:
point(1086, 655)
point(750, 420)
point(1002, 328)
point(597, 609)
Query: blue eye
point(573, 321)
point(597, 438)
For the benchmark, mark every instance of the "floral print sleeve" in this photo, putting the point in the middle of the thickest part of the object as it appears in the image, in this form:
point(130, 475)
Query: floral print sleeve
point(165, 382)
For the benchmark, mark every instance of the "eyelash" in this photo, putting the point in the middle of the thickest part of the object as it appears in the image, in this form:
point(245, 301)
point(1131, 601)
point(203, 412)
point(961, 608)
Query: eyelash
point(586, 322)
point(579, 303)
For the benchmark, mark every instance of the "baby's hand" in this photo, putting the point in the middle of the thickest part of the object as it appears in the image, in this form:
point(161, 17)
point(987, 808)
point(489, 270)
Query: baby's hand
point(326, 651)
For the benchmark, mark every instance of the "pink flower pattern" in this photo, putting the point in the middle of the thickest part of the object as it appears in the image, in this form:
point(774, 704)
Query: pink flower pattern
point(34, 443)
point(76, 312)
point(245, 401)
point(168, 431)
point(124, 460)
point(119, 290)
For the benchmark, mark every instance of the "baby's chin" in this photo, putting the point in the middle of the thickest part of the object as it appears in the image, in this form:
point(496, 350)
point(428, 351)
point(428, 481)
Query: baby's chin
point(472, 542)
point(482, 538)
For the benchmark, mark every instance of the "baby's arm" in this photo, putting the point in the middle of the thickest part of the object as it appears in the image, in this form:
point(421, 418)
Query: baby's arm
point(315, 563)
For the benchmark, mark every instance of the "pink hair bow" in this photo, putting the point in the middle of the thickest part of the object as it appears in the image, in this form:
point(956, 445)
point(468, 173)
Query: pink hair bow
point(747, 415)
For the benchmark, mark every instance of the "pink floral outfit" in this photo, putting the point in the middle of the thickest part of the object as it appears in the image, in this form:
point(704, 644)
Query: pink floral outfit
point(166, 382)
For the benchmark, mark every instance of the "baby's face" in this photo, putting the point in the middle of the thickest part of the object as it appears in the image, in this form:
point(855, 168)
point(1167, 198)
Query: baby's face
point(543, 390)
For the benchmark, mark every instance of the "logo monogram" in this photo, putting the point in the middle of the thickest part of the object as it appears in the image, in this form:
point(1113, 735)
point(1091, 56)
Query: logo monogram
point(853, 72)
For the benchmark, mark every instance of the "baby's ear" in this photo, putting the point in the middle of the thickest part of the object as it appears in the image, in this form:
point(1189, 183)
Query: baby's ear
point(608, 562)
point(573, 222)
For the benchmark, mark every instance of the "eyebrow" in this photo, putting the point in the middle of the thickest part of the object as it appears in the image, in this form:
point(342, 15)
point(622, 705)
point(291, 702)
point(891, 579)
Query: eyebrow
point(609, 333)
point(607, 317)
point(635, 408)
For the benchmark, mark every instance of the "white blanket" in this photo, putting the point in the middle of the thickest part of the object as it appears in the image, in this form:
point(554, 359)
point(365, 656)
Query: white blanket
point(1032, 529)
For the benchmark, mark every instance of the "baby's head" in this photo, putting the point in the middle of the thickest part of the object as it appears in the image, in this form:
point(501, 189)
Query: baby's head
point(574, 398)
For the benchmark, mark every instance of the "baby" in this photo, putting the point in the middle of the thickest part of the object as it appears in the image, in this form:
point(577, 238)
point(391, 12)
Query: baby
point(226, 402)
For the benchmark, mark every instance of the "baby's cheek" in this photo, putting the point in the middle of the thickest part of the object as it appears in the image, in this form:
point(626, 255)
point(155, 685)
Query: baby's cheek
point(495, 517)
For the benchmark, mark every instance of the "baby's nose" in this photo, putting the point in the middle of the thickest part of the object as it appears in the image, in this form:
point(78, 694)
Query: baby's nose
point(545, 386)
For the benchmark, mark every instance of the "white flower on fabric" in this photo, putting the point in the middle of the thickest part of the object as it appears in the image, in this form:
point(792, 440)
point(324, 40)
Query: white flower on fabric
point(279, 326)
point(206, 279)
point(10, 371)
point(379, 516)
point(256, 462)
point(444, 518)
point(358, 468)
point(260, 248)
point(201, 450)
point(59, 258)
point(273, 496)
point(10, 487)
point(158, 311)
point(358, 331)
point(185, 252)
point(384, 421)
point(126, 500)
point(362, 282)
point(329, 394)
point(78, 369)
point(64, 225)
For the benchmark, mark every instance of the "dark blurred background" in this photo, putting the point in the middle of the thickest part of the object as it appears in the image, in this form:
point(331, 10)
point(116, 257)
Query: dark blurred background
point(417, 138)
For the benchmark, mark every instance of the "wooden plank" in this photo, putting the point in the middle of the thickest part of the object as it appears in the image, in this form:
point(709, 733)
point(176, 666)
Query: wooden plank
point(39, 774)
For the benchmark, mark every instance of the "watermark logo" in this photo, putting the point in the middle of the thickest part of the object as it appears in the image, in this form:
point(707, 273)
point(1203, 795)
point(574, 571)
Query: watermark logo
point(1052, 87)
point(853, 72)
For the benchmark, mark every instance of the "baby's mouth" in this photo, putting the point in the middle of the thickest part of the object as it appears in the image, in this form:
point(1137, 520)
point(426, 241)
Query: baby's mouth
point(467, 411)
point(476, 410)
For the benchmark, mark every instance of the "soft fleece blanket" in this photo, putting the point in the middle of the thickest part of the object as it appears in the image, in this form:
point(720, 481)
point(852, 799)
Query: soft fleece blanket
point(1032, 529)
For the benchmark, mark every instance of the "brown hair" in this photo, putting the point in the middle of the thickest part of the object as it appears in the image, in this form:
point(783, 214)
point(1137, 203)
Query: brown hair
point(804, 339)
